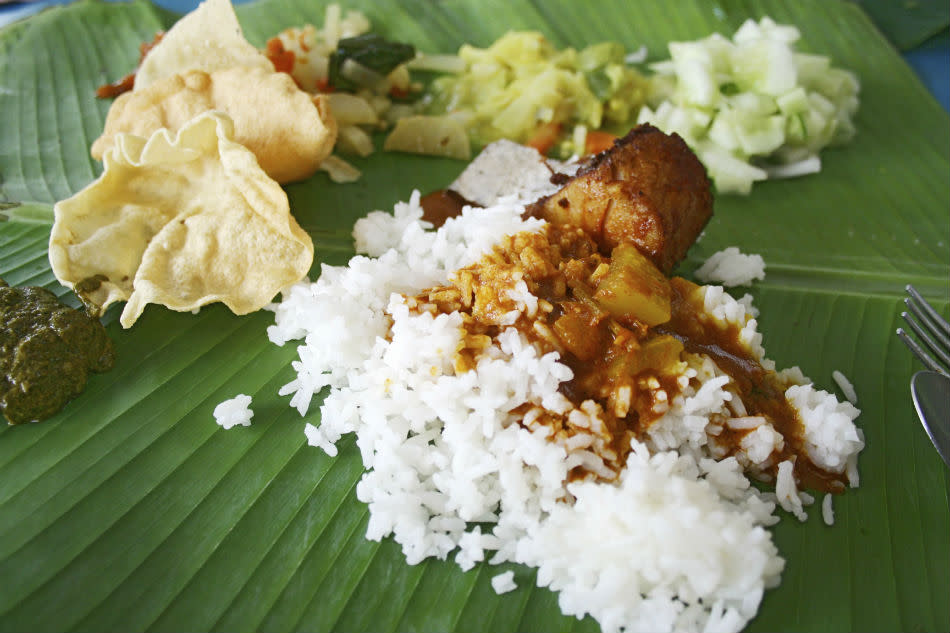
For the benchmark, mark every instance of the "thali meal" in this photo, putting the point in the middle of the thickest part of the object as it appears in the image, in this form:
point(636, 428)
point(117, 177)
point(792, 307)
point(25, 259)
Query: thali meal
point(519, 362)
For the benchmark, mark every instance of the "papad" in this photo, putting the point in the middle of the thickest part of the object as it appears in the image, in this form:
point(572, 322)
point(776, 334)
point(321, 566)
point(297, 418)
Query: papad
point(289, 131)
point(182, 220)
point(209, 38)
point(205, 63)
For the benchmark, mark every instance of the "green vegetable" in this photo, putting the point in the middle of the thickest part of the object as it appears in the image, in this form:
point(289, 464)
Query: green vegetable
point(47, 350)
point(374, 58)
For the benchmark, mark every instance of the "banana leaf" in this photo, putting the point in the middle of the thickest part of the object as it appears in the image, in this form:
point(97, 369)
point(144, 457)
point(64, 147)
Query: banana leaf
point(132, 510)
point(908, 24)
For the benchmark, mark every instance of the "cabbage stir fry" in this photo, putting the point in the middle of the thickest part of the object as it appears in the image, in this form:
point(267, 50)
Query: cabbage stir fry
point(565, 102)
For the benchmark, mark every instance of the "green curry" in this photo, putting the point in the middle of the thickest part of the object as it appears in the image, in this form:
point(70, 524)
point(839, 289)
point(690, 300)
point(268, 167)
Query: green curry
point(47, 350)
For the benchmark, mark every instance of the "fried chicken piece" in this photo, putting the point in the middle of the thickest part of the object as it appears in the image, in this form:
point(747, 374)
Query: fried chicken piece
point(649, 190)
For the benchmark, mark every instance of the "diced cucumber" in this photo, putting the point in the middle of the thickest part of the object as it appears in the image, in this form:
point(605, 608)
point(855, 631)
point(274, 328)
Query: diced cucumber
point(793, 102)
point(752, 99)
point(760, 136)
point(753, 104)
point(729, 172)
point(697, 85)
point(765, 67)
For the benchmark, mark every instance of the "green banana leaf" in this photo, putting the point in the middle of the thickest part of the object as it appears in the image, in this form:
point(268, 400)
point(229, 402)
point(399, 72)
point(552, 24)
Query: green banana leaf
point(132, 510)
point(908, 24)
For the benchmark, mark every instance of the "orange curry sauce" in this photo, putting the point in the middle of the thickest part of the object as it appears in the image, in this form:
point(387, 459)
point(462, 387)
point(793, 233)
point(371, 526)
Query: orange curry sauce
point(561, 266)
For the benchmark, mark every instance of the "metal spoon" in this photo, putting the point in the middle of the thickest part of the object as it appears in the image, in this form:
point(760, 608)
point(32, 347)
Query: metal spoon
point(931, 393)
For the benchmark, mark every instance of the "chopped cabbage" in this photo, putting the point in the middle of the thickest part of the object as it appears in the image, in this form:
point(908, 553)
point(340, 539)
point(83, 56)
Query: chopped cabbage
point(523, 89)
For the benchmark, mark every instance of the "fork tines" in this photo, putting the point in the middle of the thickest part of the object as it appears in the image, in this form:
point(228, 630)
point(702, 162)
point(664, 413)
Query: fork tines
point(930, 328)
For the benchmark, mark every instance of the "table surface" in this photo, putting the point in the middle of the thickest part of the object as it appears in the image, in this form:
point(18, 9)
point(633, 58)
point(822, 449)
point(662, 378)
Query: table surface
point(931, 60)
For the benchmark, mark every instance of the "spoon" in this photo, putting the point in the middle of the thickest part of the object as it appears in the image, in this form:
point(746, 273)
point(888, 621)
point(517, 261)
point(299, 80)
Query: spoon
point(931, 393)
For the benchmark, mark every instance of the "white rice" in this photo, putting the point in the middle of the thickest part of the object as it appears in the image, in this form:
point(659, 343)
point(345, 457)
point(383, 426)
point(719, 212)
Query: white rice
point(845, 385)
point(830, 435)
point(787, 492)
point(827, 511)
point(504, 582)
point(234, 412)
point(730, 267)
point(443, 452)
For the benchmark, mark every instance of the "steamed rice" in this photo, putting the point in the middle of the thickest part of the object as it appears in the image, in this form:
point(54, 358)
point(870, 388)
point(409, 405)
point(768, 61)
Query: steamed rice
point(845, 385)
point(827, 510)
point(503, 583)
point(681, 541)
point(234, 412)
point(731, 267)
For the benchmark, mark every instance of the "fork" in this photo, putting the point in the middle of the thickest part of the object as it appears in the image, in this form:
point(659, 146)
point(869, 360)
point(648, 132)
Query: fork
point(930, 388)
point(930, 328)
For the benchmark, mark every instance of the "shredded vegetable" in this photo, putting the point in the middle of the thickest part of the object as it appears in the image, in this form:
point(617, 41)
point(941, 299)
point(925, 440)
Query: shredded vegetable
point(523, 89)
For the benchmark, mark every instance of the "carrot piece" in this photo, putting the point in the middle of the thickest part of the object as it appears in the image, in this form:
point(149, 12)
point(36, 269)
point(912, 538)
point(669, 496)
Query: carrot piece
point(544, 137)
point(597, 141)
point(127, 83)
point(282, 59)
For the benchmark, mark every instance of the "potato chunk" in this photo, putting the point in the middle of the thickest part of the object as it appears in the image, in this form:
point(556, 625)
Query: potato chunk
point(634, 288)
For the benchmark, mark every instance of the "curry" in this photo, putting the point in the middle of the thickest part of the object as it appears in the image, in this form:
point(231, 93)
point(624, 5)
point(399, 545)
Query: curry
point(47, 350)
point(624, 329)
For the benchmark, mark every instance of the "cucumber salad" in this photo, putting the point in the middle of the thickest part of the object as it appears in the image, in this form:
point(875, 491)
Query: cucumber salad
point(752, 107)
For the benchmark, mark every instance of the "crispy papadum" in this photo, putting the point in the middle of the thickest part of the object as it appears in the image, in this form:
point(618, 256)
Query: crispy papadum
point(182, 220)
point(209, 38)
point(289, 131)
point(204, 63)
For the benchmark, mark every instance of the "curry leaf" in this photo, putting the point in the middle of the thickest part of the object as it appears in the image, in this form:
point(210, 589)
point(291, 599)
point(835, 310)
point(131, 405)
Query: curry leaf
point(370, 51)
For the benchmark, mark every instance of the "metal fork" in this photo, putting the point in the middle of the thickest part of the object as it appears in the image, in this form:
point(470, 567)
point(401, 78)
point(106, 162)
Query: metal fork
point(930, 388)
point(930, 328)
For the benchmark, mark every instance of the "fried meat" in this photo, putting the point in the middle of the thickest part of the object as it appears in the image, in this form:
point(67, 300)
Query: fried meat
point(649, 190)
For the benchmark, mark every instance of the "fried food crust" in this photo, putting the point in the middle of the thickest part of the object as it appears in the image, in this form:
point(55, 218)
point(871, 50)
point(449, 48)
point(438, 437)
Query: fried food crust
point(649, 190)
